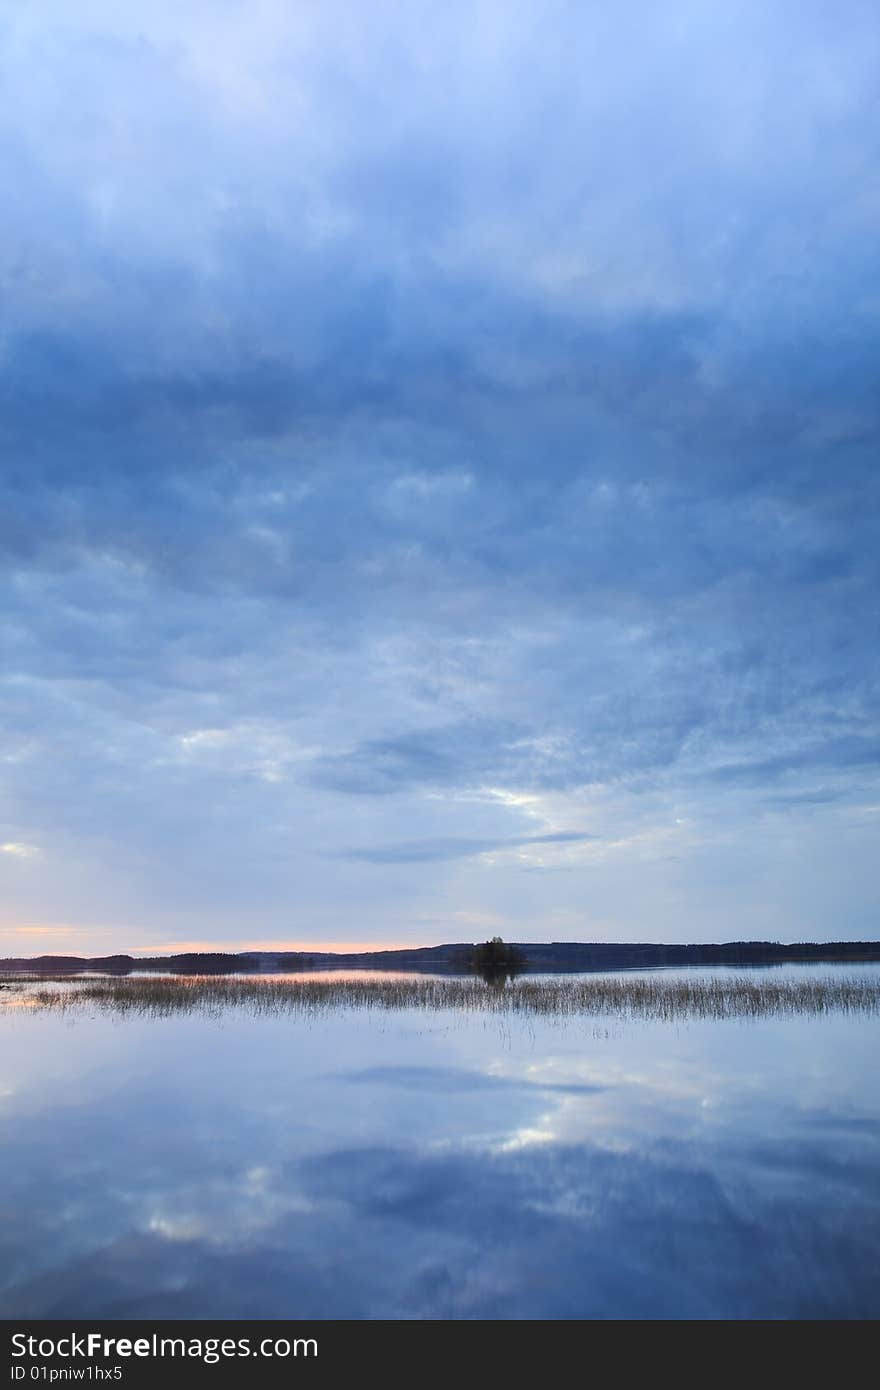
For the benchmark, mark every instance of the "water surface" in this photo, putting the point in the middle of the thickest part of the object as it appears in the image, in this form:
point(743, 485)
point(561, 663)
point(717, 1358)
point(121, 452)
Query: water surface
point(411, 1164)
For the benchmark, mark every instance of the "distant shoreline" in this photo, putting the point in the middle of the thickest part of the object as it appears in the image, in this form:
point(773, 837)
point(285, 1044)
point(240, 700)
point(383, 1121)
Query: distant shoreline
point(550, 957)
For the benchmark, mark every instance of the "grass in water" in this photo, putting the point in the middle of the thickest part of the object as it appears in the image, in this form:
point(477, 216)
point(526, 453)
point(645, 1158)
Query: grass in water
point(624, 996)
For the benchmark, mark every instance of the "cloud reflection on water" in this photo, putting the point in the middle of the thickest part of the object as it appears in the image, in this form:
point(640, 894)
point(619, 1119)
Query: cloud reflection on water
point(187, 1167)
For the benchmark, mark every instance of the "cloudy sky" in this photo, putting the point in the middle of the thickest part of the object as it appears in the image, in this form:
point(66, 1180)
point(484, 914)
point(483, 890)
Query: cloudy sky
point(439, 453)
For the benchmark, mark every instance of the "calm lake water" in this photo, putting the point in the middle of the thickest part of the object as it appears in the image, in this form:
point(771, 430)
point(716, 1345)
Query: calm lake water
point(438, 1166)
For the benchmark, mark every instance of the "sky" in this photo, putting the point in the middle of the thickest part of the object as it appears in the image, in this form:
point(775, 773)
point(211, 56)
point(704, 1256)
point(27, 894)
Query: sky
point(438, 486)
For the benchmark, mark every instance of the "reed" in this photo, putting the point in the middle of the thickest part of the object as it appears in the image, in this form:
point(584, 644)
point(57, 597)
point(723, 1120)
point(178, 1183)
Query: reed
point(624, 996)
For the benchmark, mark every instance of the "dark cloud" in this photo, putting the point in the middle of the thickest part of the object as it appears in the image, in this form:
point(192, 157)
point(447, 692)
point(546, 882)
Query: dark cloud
point(839, 753)
point(416, 851)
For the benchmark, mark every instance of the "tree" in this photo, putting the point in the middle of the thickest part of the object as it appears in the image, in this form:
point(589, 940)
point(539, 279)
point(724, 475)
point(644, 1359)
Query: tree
point(496, 960)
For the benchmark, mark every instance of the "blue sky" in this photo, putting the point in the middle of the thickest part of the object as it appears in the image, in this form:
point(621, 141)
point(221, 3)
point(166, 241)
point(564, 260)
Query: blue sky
point(438, 475)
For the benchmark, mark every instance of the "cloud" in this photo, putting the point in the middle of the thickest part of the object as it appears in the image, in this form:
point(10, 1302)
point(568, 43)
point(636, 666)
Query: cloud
point(841, 753)
point(390, 417)
point(416, 851)
point(43, 931)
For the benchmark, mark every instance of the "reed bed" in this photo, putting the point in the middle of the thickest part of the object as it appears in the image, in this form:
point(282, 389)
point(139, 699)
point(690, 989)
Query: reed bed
point(660, 997)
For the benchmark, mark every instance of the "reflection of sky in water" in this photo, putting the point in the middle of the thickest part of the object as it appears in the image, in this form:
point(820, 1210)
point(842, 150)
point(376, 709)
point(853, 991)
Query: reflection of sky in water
point(412, 1166)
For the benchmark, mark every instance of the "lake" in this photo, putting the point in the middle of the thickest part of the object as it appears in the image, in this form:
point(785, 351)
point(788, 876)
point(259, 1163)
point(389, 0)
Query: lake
point(416, 1163)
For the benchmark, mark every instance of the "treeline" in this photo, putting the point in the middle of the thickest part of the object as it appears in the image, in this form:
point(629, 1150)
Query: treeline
point(632, 955)
point(460, 957)
point(192, 962)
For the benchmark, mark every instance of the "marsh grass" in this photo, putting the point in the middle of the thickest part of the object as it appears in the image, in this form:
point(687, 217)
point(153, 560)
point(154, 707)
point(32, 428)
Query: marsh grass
point(660, 996)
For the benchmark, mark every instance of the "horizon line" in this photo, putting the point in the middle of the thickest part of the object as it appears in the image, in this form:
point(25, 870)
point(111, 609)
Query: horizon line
point(353, 949)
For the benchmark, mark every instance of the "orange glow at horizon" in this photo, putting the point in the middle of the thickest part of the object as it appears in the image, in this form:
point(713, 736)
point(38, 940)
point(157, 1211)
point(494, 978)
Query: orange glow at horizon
point(41, 931)
point(29, 940)
point(340, 947)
